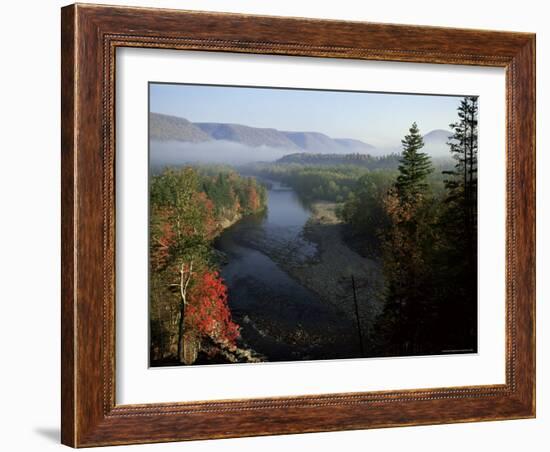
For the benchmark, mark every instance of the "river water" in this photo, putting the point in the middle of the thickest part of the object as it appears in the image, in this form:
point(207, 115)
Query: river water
point(280, 319)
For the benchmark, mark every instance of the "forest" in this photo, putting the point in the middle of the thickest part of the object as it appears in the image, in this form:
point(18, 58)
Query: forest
point(189, 316)
point(427, 242)
point(417, 218)
point(337, 178)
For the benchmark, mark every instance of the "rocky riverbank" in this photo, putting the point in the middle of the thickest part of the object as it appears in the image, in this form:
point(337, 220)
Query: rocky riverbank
point(329, 273)
point(280, 318)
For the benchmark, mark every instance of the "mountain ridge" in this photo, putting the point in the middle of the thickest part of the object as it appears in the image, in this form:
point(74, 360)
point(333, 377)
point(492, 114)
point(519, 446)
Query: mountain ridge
point(164, 127)
point(175, 128)
point(251, 136)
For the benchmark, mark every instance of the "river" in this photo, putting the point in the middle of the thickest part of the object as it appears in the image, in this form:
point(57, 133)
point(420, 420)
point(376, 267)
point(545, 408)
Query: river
point(280, 319)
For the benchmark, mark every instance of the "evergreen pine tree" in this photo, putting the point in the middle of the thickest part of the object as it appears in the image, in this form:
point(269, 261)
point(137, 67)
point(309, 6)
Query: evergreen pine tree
point(405, 252)
point(414, 166)
point(457, 263)
point(462, 186)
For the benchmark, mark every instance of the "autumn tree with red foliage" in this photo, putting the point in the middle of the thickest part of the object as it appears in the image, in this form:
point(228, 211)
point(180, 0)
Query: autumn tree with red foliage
point(188, 299)
point(207, 209)
point(208, 313)
point(253, 198)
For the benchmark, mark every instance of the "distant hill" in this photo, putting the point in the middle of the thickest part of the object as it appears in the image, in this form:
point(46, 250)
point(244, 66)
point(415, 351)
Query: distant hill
point(249, 136)
point(166, 127)
point(435, 143)
point(313, 141)
point(438, 135)
point(172, 128)
point(354, 146)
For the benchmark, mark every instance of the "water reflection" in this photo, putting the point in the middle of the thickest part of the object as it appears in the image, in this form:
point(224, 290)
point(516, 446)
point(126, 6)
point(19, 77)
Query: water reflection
point(279, 317)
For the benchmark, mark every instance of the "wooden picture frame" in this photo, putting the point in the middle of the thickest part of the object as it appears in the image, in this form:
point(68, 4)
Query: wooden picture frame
point(90, 36)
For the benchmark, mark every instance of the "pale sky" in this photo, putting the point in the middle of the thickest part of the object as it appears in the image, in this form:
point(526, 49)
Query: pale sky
point(380, 119)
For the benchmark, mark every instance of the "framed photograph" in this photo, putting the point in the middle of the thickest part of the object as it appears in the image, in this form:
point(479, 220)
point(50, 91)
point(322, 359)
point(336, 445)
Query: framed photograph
point(282, 225)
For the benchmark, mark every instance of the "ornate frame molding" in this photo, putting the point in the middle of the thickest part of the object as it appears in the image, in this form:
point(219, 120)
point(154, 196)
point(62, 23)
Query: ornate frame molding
point(90, 37)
